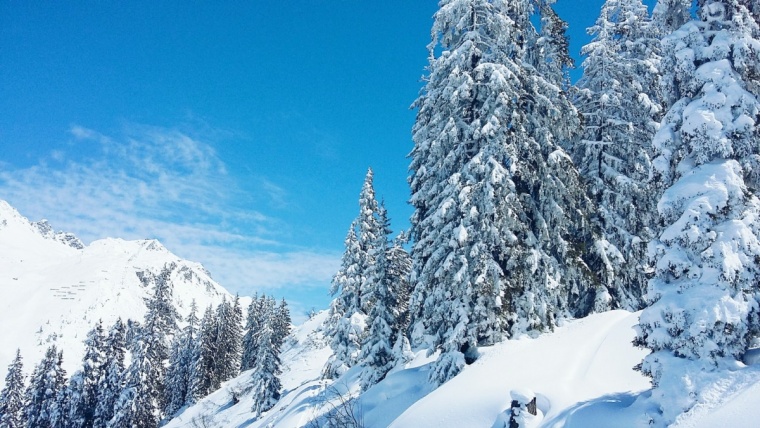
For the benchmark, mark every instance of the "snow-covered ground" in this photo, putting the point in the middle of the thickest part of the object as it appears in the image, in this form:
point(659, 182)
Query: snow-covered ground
point(51, 292)
point(582, 376)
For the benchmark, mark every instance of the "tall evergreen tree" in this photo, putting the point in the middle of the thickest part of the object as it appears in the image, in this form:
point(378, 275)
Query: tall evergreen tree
point(183, 357)
point(500, 228)
point(376, 350)
point(60, 414)
point(399, 268)
point(141, 401)
point(618, 98)
point(229, 325)
point(41, 393)
point(550, 54)
point(48, 378)
point(12, 395)
point(112, 382)
point(670, 15)
point(386, 280)
point(254, 320)
point(368, 234)
point(281, 324)
point(703, 311)
point(345, 323)
point(352, 285)
point(204, 380)
point(138, 405)
point(265, 383)
point(84, 383)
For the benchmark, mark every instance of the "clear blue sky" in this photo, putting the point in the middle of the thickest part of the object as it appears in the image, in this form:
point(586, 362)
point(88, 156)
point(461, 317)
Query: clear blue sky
point(237, 133)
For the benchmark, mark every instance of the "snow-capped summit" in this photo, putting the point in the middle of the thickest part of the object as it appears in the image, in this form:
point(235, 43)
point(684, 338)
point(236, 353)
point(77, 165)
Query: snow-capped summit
point(53, 288)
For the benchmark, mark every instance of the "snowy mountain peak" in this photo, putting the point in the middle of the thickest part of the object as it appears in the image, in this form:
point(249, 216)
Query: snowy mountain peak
point(20, 226)
point(53, 289)
point(9, 215)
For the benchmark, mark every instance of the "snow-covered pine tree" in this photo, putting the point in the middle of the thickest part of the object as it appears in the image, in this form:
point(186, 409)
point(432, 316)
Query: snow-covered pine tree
point(252, 324)
point(12, 395)
point(60, 413)
point(265, 381)
point(704, 295)
point(204, 381)
point(229, 319)
point(399, 267)
point(138, 404)
point(141, 401)
point(112, 382)
point(47, 379)
point(83, 386)
point(551, 54)
point(281, 324)
point(345, 324)
point(369, 230)
point(618, 98)
point(182, 361)
point(670, 15)
point(351, 285)
point(376, 349)
point(402, 349)
point(493, 191)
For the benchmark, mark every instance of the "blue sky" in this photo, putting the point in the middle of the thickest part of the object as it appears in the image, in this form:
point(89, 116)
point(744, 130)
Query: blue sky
point(237, 133)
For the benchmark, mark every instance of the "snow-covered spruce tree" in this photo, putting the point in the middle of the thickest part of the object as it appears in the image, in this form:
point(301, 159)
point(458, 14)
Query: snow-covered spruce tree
point(59, 415)
point(12, 395)
point(704, 296)
point(254, 319)
point(617, 97)
point(353, 285)
point(138, 404)
point(141, 401)
point(111, 383)
point(84, 383)
point(265, 381)
point(376, 349)
point(47, 379)
point(281, 324)
point(182, 360)
point(670, 15)
point(345, 325)
point(550, 55)
point(368, 232)
point(204, 380)
point(399, 267)
point(229, 326)
point(500, 225)
point(388, 283)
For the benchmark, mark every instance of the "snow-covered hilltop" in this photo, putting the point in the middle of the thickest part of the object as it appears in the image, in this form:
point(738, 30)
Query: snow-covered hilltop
point(53, 288)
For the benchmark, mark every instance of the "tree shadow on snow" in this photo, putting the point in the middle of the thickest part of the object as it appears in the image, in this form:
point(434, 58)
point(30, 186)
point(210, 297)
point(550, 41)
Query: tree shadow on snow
point(613, 410)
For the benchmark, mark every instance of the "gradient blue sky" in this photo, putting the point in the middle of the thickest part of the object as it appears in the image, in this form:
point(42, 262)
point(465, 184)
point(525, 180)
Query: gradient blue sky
point(237, 133)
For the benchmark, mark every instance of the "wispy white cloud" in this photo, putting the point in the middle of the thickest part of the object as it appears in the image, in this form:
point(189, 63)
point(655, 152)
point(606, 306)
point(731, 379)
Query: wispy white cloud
point(169, 184)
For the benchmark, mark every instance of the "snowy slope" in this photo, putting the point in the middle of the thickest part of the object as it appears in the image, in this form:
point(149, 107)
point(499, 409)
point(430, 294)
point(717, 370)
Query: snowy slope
point(586, 362)
point(53, 289)
point(582, 375)
point(304, 354)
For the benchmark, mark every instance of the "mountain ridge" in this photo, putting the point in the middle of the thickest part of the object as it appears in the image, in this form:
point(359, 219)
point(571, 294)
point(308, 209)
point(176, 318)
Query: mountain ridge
point(53, 288)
